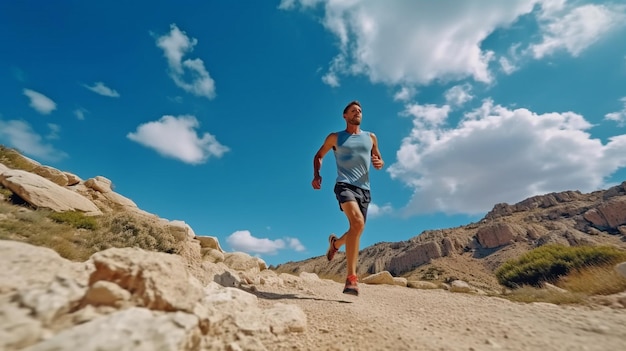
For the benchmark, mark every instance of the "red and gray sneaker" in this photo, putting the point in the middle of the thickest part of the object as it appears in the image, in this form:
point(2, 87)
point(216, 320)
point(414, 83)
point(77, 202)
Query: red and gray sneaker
point(352, 285)
point(332, 250)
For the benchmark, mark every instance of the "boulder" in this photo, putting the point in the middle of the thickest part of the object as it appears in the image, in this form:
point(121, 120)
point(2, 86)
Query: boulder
point(383, 277)
point(42, 193)
point(100, 184)
point(498, 234)
point(52, 174)
point(156, 280)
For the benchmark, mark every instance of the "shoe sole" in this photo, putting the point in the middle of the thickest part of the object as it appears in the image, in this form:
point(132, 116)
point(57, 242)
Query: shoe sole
point(331, 245)
point(349, 291)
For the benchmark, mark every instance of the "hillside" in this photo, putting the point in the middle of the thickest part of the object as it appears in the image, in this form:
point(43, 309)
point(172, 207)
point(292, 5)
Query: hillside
point(472, 252)
point(84, 268)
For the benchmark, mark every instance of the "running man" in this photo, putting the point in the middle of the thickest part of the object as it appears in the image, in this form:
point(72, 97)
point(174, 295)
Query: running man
point(354, 150)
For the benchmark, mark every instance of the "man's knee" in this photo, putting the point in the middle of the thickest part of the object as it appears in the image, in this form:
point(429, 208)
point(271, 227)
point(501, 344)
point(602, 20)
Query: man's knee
point(357, 223)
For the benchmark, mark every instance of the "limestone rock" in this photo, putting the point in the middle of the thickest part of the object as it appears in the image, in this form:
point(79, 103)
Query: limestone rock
point(609, 214)
point(460, 286)
point(400, 281)
point(100, 184)
point(156, 280)
point(420, 284)
point(498, 234)
point(241, 261)
point(420, 254)
point(72, 179)
point(26, 266)
point(181, 230)
point(209, 242)
point(105, 293)
point(134, 329)
point(383, 277)
point(40, 192)
point(212, 255)
point(17, 328)
point(52, 174)
point(49, 302)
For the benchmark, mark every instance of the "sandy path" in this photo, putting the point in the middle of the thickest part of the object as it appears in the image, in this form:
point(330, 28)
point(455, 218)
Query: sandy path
point(387, 317)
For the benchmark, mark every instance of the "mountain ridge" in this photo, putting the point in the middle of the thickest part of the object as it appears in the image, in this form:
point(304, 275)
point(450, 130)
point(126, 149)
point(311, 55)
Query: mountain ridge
point(473, 251)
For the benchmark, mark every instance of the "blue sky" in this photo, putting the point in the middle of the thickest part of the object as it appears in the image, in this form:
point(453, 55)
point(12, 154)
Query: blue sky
point(210, 112)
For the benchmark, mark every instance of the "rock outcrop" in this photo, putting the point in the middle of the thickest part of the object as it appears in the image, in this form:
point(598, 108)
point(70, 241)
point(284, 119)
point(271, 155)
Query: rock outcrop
point(130, 299)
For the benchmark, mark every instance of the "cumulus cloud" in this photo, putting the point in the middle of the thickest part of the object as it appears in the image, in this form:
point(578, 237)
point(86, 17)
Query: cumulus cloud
point(619, 116)
point(242, 240)
point(499, 155)
point(376, 211)
point(458, 95)
point(40, 102)
point(176, 137)
point(577, 28)
point(188, 74)
point(413, 42)
point(101, 89)
point(20, 135)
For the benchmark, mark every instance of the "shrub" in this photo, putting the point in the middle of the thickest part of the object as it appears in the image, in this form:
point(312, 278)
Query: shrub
point(549, 262)
point(75, 219)
point(125, 230)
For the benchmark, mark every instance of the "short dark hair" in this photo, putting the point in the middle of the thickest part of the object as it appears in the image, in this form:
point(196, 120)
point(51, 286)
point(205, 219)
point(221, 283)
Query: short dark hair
point(350, 104)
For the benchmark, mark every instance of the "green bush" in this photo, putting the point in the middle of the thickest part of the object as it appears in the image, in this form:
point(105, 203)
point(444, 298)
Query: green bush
point(124, 230)
point(549, 262)
point(75, 219)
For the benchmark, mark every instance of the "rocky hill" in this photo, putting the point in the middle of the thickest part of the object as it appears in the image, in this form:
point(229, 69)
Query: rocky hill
point(150, 283)
point(472, 252)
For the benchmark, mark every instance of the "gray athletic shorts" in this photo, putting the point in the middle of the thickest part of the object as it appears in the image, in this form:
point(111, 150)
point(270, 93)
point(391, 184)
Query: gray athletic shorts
point(348, 192)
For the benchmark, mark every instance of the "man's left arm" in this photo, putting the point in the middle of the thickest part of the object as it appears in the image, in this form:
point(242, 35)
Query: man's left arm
point(377, 158)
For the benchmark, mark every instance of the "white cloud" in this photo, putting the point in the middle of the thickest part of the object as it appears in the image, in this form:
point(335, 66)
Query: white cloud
point(20, 135)
point(459, 94)
point(80, 113)
point(499, 155)
point(295, 244)
point(100, 88)
point(507, 66)
point(414, 42)
point(242, 240)
point(405, 94)
point(176, 137)
point(188, 74)
point(40, 102)
point(376, 211)
point(577, 29)
point(619, 116)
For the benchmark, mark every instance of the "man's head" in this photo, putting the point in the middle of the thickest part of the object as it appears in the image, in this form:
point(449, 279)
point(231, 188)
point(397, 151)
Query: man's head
point(352, 113)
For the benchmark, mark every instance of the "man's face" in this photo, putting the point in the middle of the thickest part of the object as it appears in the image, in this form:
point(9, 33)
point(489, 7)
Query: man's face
point(353, 115)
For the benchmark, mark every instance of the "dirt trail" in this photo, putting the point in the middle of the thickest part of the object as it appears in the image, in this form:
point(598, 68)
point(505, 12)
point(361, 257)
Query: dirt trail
point(387, 317)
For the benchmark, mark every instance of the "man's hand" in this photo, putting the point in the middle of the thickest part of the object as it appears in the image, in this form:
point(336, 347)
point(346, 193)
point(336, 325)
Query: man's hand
point(377, 162)
point(317, 182)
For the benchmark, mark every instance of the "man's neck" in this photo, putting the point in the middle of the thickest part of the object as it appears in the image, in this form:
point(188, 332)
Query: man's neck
point(353, 129)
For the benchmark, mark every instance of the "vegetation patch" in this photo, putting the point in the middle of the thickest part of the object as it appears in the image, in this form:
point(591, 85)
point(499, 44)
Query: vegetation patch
point(581, 271)
point(13, 159)
point(75, 219)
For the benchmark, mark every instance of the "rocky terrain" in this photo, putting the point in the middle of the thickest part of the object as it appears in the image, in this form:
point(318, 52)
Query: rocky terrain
point(472, 252)
point(433, 292)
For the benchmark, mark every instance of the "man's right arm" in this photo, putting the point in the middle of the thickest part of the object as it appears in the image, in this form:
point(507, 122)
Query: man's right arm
point(330, 141)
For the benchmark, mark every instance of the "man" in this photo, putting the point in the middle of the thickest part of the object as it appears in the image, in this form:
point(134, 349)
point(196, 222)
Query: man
point(354, 150)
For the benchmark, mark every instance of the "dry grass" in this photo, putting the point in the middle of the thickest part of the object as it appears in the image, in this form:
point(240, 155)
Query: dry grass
point(594, 280)
point(533, 294)
point(13, 159)
point(76, 237)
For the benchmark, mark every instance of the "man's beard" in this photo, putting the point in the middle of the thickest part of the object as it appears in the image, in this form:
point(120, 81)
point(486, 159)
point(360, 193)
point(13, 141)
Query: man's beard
point(355, 122)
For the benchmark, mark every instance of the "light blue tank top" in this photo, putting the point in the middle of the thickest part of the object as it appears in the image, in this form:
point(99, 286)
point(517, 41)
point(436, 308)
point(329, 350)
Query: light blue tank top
point(353, 154)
